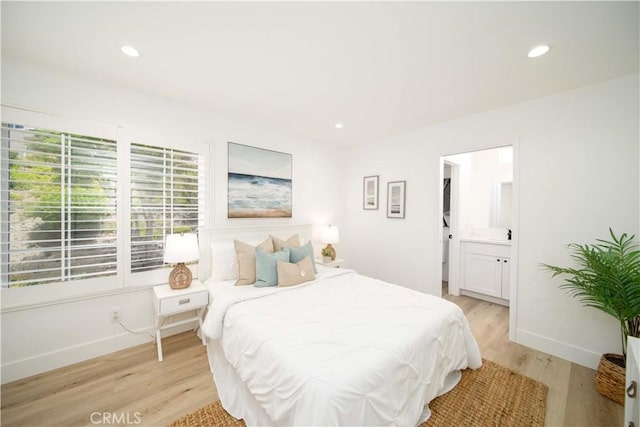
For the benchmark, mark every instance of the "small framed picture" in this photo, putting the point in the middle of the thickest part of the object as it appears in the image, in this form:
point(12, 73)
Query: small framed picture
point(396, 192)
point(370, 193)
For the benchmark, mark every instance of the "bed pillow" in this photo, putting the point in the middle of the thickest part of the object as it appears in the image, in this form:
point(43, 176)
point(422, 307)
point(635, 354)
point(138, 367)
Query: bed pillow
point(290, 274)
point(267, 266)
point(297, 254)
point(291, 242)
point(224, 261)
point(246, 255)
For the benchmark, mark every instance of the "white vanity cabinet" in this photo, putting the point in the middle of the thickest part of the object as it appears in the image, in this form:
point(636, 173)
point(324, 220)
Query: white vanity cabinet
point(485, 270)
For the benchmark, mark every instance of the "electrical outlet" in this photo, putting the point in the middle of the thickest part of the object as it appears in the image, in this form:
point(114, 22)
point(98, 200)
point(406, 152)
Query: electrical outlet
point(116, 315)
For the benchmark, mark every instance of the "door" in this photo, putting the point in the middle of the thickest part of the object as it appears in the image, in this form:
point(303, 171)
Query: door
point(453, 236)
point(506, 277)
point(483, 274)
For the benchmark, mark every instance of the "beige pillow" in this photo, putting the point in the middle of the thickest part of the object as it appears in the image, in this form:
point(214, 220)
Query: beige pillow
point(291, 242)
point(293, 274)
point(246, 254)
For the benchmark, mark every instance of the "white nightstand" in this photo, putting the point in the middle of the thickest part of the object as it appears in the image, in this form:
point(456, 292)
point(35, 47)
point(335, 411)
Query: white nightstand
point(337, 263)
point(168, 302)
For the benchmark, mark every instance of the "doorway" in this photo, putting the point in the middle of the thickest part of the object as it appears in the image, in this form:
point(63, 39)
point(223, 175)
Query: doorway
point(478, 225)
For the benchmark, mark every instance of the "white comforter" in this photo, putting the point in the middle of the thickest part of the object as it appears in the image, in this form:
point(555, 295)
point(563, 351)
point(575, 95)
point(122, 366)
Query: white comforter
point(341, 350)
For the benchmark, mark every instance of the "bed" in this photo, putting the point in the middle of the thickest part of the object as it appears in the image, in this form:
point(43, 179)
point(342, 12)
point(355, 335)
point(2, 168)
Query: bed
point(343, 349)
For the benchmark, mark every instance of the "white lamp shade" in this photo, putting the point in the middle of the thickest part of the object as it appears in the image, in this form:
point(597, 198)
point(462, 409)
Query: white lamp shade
point(330, 234)
point(181, 248)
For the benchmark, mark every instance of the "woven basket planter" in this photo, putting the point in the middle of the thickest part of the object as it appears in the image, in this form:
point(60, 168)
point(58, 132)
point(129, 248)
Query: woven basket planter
point(610, 377)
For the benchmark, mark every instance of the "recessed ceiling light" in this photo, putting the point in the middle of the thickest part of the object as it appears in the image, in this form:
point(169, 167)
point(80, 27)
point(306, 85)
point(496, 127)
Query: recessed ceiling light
point(130, 51)
point(538, 51)
point(339, 125)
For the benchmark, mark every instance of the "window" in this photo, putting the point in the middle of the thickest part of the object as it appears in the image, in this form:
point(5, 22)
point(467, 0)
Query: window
point(58, 206)
point(166, 197)
point(87, 209)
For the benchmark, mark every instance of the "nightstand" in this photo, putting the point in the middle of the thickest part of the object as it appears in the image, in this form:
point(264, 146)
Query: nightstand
point(337, 263)
point(168, 302)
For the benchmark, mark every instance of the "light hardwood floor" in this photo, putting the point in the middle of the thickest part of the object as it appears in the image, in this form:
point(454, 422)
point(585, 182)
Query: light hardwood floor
point(133, 383)
point(573, 399)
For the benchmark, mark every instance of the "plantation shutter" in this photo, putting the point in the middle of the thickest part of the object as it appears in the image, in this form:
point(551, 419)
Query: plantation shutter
point(58, 206)
point(167, 196)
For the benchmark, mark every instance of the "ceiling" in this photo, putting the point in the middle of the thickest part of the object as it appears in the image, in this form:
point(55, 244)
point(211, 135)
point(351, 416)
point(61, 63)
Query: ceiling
point(380, 68)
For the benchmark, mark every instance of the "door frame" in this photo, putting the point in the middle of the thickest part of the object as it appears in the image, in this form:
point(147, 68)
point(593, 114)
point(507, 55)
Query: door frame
point(454, 244)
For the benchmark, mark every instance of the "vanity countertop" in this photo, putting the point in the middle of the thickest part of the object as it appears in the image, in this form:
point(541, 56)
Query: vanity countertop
point(484, 240)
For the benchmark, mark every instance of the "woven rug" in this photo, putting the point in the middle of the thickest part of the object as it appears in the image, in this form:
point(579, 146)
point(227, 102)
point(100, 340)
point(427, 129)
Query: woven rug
point(490, 396)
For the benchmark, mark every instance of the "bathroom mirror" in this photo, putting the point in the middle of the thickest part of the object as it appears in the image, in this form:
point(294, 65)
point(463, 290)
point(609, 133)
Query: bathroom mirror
point(500, 205)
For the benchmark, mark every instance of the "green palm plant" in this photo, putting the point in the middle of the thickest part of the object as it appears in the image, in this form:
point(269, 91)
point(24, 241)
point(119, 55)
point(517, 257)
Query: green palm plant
point(607, 277)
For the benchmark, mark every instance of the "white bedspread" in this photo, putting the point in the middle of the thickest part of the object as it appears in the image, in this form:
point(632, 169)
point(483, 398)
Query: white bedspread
point(342, 350)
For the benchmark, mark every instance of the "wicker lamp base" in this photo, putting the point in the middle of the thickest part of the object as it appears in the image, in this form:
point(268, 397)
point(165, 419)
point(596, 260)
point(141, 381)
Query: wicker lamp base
point(180, 277)
point(610, 377)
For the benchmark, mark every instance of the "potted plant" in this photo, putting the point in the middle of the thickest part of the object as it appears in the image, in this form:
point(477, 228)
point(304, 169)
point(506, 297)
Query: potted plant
point(607, 277)
point(326, 255)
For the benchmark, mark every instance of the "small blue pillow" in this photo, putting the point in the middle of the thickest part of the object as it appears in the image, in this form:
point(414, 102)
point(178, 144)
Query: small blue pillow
point(267, 266)
point(298, 254)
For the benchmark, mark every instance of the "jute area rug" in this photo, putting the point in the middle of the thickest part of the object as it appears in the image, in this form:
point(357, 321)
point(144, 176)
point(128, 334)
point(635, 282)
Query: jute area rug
point(490, 396)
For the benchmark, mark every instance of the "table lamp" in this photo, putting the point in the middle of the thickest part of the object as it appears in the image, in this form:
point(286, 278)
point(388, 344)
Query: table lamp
point(180, 248)
point(330, 235)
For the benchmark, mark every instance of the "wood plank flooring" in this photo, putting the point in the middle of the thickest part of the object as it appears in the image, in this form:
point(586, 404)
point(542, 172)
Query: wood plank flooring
point(129, 383)
point(573, 399)
point(132, 383)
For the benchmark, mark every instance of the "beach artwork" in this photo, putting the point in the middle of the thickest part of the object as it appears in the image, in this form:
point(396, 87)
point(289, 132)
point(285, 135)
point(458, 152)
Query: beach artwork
point(396, 199)
point(370, 193)
point(259, 183)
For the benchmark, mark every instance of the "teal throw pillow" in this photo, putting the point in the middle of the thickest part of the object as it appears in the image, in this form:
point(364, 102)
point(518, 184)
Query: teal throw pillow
point(298, 254)
point(267, 266)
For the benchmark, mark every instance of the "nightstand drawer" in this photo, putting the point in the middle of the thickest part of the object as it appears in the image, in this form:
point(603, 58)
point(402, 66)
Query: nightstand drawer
point(180, 303)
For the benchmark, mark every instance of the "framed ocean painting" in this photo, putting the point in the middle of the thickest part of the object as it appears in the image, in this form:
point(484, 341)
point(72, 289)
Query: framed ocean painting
point(259, 183)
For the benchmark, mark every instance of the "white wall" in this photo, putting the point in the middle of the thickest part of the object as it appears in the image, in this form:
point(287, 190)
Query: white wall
point(44, 336)
point(577, 172)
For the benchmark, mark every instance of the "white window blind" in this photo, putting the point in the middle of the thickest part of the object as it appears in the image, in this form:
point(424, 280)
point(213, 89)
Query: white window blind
point(167, 196)
point(58, 195)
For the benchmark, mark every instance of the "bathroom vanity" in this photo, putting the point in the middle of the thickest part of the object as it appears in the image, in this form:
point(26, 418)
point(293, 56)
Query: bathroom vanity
point(485, 268)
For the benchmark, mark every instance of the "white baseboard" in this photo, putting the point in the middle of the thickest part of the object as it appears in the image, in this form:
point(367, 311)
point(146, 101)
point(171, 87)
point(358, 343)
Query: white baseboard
point(566, 351)
point(27, 367)
point(484, 297)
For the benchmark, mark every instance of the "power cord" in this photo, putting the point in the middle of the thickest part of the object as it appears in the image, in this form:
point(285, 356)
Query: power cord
point(153, 337)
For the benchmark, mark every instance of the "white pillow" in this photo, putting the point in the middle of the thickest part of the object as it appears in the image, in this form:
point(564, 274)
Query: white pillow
point(224, 262)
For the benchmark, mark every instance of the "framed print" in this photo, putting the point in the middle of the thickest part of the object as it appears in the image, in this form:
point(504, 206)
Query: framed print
point(370, 193)
point(396, 192)
point(259, 183)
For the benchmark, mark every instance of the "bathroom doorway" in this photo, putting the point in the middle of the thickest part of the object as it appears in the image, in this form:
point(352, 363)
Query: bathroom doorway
point(479, 213)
